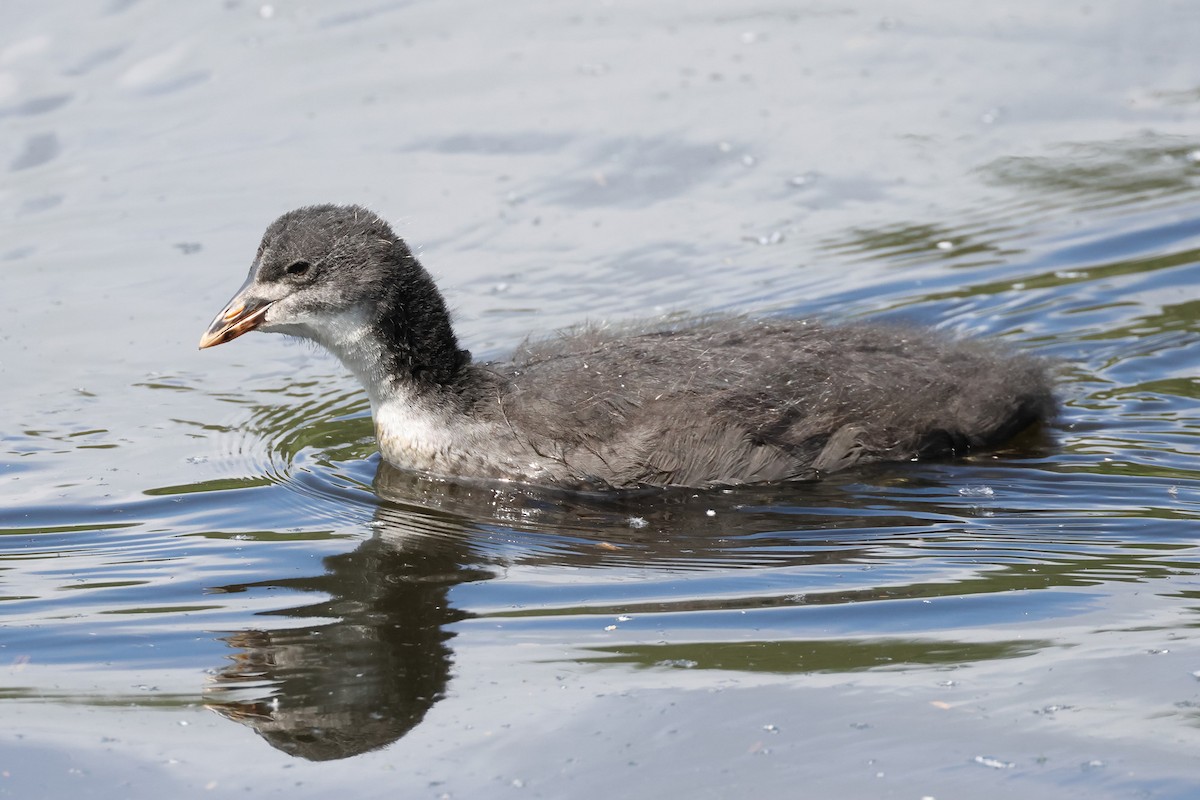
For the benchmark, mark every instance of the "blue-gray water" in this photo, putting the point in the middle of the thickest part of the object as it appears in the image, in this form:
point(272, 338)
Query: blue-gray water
point(207, 585)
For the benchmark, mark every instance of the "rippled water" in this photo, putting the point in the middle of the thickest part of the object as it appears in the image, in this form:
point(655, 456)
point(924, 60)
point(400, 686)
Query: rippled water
point(183, 534)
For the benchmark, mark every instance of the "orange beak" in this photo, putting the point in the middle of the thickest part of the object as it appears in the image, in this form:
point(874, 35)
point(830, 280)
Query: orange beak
point(242, 315)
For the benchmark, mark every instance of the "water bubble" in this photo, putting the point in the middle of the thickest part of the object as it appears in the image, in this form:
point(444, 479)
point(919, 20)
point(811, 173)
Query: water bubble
point(775, 237)
point(681, 663)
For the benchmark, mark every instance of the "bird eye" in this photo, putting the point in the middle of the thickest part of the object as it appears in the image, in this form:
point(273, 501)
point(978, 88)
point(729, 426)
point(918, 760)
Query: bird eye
point(298, 267)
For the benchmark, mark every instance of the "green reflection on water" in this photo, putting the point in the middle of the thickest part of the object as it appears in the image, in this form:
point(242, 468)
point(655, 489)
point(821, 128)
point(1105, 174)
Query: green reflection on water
point(1171, 317)
point(1103, 173)
point(161, 609)
point(1168, 318)
point(1129, 469)
point(214, 485)
point(102, 585)
point(809, 656)
point(151, 699)
point(1171, 387)
point(270, 536)
point(995, 577)
point(89, 528)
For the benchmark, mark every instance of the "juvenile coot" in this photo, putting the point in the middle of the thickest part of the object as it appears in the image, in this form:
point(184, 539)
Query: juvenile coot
point(710, 401)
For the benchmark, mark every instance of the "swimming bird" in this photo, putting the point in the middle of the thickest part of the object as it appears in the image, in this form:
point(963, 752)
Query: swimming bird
point(708, 401)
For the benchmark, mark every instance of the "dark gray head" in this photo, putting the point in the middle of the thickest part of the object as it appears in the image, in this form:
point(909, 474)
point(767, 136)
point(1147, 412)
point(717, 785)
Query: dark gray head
point(339, 276)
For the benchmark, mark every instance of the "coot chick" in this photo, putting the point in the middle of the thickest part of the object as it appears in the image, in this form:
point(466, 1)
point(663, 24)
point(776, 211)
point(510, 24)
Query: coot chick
point(706, 402)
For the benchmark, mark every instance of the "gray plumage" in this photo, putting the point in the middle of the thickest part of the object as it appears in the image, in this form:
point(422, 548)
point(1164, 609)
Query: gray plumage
point(705, 402)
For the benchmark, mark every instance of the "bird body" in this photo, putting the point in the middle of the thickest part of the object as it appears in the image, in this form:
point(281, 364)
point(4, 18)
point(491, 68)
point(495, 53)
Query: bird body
point(701, 402)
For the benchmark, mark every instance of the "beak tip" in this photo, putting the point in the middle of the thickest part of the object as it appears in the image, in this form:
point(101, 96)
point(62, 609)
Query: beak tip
point(238, 318)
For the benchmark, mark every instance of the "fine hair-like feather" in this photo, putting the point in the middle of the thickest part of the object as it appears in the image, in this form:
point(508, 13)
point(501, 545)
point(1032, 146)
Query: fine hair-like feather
point(733, 400)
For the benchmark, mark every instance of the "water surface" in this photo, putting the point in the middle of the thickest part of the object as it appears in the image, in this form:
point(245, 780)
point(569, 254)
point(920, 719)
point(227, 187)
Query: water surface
point(208, 582)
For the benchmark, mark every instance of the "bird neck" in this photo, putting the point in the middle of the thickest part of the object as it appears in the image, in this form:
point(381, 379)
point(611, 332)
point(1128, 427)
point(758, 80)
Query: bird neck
point(402, 347)
point(420, 423)
point(415, 328)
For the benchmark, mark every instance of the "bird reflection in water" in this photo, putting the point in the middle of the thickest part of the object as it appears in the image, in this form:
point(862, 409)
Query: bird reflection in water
point(376, 661)
point(376, 655)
